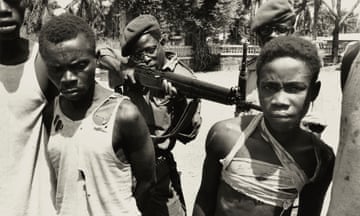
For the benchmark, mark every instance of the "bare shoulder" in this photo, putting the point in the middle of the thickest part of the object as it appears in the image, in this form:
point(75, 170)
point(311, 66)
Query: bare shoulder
point(127, 112)
point(224, 134)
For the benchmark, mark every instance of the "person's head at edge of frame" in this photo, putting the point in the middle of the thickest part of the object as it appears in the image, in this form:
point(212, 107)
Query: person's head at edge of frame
point(11, 21)
point(12, 17)
point(287, 68)
point(68, 46)
point(142, 42)
point(274, 18)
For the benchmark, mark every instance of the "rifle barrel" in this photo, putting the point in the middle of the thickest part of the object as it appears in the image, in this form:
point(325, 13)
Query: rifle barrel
point(188, 86)
point(192, 87)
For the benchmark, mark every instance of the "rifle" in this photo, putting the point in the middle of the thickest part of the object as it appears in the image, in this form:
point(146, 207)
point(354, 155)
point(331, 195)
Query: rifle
point(193, 88)
point(243, 71)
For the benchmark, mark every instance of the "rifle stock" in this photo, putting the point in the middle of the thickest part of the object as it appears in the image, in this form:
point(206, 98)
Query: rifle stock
point(193, 88)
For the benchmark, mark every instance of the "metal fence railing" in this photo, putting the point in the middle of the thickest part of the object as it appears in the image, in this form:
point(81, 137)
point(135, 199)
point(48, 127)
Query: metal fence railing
point(223, 50)
point(234, 50)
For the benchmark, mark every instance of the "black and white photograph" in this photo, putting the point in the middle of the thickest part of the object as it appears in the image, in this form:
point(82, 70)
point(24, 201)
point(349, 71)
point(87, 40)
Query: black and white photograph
point(179, 107)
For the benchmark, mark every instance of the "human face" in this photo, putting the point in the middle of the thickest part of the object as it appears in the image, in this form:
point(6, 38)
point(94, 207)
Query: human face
point(71, 66)
point(286, 89)
point(273, 30)
point(148, 52)
point(11, 18)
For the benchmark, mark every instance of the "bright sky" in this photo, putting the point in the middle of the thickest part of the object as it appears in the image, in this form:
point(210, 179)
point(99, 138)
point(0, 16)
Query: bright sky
point(346, 4)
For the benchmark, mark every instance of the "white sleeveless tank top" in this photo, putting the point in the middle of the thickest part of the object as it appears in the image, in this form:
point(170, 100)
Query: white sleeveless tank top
point(24, 173)
point(91, 178)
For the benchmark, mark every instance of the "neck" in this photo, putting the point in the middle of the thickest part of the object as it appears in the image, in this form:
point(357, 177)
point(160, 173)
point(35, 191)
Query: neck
point(13, 52)
point(78, 109)
point(284, 137)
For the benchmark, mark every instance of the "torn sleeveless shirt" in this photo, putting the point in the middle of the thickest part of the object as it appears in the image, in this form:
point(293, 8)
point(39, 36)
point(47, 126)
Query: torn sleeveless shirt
point(92, 179)
point(265, 182)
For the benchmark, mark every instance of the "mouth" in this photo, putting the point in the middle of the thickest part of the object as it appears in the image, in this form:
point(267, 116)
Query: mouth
point(7, 26)
point(6, 23)
point(148, 65)
point(281, 115)
point(7, 29)
point(68, 91)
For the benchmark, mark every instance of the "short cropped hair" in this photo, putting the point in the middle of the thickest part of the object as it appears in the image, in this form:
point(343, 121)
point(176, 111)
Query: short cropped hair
point(65, 27)
point(290, 46)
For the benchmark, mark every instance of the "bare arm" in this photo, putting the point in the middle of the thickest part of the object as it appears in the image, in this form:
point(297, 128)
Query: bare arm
point(313, 194)
point(47, 87)
point(205, 203)
point(133, 136)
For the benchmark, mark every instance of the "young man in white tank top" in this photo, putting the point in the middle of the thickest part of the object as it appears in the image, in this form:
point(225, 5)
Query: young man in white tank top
point(25, 187)
point(98, 139)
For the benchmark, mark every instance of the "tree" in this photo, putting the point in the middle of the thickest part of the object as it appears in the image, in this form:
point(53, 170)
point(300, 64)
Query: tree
point(339, 20)
point(317, 5)
point(305, 17)
point(33, 17)
point(240, 27)
point(209, 18)
point(199, 28)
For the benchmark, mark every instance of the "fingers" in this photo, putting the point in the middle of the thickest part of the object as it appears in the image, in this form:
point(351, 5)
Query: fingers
point(169, 88)
point(129, 74)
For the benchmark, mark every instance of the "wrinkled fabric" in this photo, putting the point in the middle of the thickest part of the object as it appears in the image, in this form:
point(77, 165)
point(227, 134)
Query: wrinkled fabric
point(25, 182)
point(92, 179)
point(269, 183)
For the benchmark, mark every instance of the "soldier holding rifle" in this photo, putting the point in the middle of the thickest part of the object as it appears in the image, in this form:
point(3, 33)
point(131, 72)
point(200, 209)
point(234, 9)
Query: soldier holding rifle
point(170, 116)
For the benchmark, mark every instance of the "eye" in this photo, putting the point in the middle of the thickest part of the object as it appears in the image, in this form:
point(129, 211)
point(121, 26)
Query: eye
point(56, 69)
point(294, 88)
point(282, 29)
point(79, 66)
point(270, 86)
point(150, 50)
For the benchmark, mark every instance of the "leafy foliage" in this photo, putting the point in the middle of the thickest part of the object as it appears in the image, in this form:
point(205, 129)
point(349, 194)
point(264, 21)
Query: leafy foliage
point(196, 20)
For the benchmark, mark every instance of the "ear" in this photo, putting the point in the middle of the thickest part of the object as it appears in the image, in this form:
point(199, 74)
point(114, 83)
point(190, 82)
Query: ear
point(315, 90)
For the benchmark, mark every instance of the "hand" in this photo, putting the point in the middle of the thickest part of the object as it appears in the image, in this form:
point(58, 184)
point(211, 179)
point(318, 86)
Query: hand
point(313, 124)
point(129, 74)
point(169, 88)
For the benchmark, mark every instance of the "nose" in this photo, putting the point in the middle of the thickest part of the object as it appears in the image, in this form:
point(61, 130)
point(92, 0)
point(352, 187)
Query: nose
point(280, 100)
point(68, 80)
point(274, 34)
point(4, 9)
point(147, 59)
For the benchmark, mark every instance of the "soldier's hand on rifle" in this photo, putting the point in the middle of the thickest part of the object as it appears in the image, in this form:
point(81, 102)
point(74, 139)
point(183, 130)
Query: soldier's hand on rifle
point(128, 74)
point(169, 88)
point(114, 62)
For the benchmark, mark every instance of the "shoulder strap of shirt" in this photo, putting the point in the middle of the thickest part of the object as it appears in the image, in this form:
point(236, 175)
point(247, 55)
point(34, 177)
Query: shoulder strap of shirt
point(287, 161)
point(241, 140)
